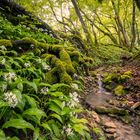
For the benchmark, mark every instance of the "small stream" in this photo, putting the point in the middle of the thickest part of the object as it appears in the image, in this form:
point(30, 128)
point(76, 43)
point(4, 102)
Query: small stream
point(99, 96)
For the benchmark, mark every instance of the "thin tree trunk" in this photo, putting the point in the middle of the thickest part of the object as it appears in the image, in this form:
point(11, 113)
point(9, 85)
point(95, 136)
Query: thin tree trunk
point(133, 25)
point(87, 34)
point(120, 26)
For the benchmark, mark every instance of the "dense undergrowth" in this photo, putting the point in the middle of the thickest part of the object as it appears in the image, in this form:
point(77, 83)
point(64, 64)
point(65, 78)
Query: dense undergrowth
point(39, 86)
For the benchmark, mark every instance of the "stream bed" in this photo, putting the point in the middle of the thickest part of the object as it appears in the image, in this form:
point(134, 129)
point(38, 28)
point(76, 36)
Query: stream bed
point(113, 127)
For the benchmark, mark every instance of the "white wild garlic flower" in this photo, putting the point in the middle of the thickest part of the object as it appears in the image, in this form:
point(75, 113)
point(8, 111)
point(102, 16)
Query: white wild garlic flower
point(11, 99)
point(10, 76)
point(74, 100)
point(3, 61)
point(75, 75)
point(44, 90)
point(69, 131)
point(45, 66)
point(3, 48)
point(27, 65)
point(75, 86)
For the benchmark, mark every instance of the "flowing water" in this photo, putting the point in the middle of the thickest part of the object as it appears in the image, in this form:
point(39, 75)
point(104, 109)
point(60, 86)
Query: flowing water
point(99, 96)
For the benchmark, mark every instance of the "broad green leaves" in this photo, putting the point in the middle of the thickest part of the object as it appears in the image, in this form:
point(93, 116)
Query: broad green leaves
point(18, 123)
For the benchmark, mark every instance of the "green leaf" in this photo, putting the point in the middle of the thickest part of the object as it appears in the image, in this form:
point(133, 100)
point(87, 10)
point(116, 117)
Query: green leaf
point(57, 117)
point(36, 134)
point(20, 86)
point(31, 101)
point(31, 84)
point(18, 123)
point(66, 110)
point(3, 104)
point(55, 108)
point(80, 128)
point(74, 120)
point(46, 126)
point(56, 101)
point(56, 94)
point(13, 138)
point(2, 135)
point(56, 130)
point(34, 112)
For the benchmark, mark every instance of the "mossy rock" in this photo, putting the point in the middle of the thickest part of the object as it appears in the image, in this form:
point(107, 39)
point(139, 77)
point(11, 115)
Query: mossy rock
point(55, 49)
point(30, 41)
point(65, 78)
point(64, 56)
point(51, 77)
point(6, 43)
point(55, 62)
point(43, 46)
point(119, 90)
point(115, 110)
point(110, 77)
point(127, 75)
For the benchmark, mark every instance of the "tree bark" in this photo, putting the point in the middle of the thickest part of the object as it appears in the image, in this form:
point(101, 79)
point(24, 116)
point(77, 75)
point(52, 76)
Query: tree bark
point(87, 34)
point(133, 25)
point(120, 26)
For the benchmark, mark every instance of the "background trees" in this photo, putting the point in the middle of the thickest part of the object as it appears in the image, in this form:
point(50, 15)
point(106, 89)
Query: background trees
point(112, 22)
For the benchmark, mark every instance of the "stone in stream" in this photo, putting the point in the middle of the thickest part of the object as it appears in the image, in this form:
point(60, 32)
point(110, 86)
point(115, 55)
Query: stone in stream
point(111, 110)
point(136, 105)
point(109, 125)
point(110, 130)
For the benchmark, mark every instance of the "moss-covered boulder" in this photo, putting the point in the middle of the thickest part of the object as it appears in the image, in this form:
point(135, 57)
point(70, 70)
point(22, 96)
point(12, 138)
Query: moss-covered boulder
point(119, 90)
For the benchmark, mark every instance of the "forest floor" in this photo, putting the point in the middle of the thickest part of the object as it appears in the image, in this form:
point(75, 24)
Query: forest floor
point(118, 117)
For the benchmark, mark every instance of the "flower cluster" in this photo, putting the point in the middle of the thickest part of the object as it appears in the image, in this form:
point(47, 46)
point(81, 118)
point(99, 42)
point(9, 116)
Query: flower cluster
point(10, 76)
point(3, 61)
point(68, 130)
point(3, 48)
point(27, 65)
point(75, 86)
point(75, 76)
point(45, 66)
point(74, 100)
point(11, 99)
point(44, 90)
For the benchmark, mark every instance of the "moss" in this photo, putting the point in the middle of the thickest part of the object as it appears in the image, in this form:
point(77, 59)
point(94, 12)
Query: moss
point(55, 49)
point(55, 62)
point(74, 55)
point(47, 56)
point(88, 60)
point(65, 78)
point(119, 90)
point(110, 77)
point(4, 42)
point(51, 76)
point(37, 51)
point(104, 110)
point(127, 75)
point(30, 41)
point(43, 46)
point(64, 56)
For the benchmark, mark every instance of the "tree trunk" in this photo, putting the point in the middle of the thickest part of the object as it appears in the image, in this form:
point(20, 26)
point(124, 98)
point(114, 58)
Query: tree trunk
point(87, 34)
point(133, 25)
point(120, 26)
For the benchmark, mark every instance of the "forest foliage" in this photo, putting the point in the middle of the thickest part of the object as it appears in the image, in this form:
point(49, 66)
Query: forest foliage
point(41, 74)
